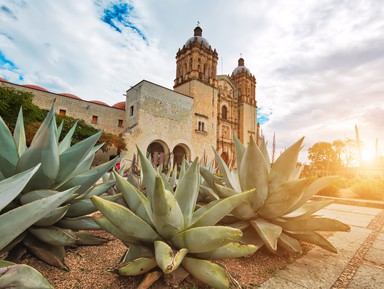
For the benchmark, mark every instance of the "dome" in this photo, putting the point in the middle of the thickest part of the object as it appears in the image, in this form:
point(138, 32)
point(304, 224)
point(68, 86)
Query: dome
point(241, 68)
point(70, 95)
point(119, 105)
point(35, 87)
point(199, 39)
point(3, 80)
point(198, 32)
point(99, 102)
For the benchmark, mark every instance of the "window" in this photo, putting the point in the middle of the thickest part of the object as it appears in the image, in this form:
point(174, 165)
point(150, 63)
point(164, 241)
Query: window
point(94, 118)
point(62, 112)
point(131, 110)
point(120, 123)
point(200, 126)
point(224, 112)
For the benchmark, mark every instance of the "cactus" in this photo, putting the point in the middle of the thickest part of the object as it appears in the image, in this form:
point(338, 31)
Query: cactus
point(58, 167)
point(163, 228)
point(279, 212)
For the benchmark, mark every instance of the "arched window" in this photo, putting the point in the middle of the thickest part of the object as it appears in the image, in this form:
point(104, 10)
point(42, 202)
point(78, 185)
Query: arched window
point(224, 112)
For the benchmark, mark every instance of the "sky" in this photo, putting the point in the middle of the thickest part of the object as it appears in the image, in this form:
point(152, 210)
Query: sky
point(319, 65)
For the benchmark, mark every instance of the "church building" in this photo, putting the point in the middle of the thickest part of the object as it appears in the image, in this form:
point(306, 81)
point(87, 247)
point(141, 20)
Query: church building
point(202, 111)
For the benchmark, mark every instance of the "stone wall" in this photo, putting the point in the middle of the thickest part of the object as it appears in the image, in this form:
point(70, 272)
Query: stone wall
point(160, 115)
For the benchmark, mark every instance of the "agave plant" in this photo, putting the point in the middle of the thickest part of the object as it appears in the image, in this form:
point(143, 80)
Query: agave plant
point(21, 276)
point(62, 168)
point(279, 212)
point(161, 228)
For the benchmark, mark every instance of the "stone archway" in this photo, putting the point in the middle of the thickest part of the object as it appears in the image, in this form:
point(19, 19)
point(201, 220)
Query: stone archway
point(179, 152)
point(159, 152)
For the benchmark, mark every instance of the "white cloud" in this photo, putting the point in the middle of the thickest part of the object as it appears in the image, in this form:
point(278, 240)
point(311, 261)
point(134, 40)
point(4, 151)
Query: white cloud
point(318, 64)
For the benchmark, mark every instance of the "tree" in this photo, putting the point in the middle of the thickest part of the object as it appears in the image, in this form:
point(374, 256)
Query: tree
point(324, 157)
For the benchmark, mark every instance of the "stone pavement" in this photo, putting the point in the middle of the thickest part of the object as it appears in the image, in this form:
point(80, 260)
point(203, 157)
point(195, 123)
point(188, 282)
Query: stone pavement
point(359, 263)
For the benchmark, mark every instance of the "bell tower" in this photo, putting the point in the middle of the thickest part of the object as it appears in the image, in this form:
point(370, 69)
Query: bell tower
point(196, 61)
point(247, 105)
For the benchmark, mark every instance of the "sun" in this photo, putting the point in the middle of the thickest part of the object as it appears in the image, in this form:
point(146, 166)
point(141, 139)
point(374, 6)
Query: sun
point(368, 154)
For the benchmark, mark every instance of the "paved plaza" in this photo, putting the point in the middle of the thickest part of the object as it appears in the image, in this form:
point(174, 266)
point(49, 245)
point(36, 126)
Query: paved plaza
point(359, 263)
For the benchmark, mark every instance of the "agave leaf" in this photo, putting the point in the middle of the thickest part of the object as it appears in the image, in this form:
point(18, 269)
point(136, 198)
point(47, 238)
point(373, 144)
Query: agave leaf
point(88, 178)
point(50, 117)
point(53, 217)
point(97, 190)
point(86, 163)
point(60, 129)
point(289, 243)
point(253, 174)
point(10, 188)
point(228, 177)
point(166, 258)
point(167, 215)
point(210, 179)
point(79, 223)
point(229, 251)
point(54, 236)
point(66, 141)
point(84, 238)
point(282, 198)
point(43, 150)
point(70, 158)
point(268, 232)
point(215, 213)
point(250, 236)
point(125, 220)
point(297, 172)
point(135, 199)
point(85, 206)
point(182, 169)
point(11, 225)
point(204, 239)
point(264, 151)
point(53, 255)
point(307, 209)
point(283, 169)
point(239, 150)
point(313, 224)
point(136, 251)
point(137, 267)
point(314, 238)
point(19, 134)
point(207, 193)
point(187, 192)
point(8, 153)
point(311, 190)
point(166, 183)
point(39, 194)
point(148, 174)
point(104, 223)
point(22, 276)
point(224, 192)
point(244, 211)
point(209, 273)
point(13, 243)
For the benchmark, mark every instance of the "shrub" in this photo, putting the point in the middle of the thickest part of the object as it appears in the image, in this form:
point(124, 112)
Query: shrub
point(369, 189)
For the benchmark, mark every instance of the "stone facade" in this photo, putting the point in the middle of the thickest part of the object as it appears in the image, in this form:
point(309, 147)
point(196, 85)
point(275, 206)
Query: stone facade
point(203, 110)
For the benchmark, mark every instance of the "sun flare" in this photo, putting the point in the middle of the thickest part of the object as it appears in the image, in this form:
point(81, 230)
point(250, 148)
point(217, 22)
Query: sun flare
point(368, 155)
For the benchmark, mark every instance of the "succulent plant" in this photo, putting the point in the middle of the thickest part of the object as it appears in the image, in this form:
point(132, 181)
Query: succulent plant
point(162, 228)
point(62, 167)
point(21, 276)
point(279, 212)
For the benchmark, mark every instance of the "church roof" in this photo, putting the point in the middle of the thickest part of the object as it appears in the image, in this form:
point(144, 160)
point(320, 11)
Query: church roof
point(198, 32)
point(99, 102)
point(241, 68)
point(119, 105)
point(36, 87)
point(70, 95)
point(3, 80)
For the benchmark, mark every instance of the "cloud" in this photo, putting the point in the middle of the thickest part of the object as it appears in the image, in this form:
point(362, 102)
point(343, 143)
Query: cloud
point(318, 64)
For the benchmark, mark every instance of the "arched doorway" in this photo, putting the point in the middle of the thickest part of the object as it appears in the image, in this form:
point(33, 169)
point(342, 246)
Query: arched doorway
point(180, 152)
point(159, 153)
